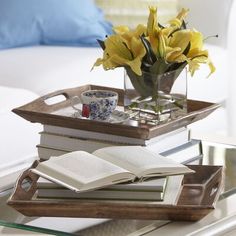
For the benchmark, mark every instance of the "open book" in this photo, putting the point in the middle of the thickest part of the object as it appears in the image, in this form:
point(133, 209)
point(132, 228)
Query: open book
point(82, 171)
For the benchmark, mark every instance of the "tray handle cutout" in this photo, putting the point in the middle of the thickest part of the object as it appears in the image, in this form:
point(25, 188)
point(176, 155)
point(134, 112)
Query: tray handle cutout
point(26, 185)
point(213, 191)
point(54, 101)
point(56, 98)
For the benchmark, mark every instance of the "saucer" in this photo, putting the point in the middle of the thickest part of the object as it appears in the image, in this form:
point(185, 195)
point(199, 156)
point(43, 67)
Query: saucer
point(116, 117)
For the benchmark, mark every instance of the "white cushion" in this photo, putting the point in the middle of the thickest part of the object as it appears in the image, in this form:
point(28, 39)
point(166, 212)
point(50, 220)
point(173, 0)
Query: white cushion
point(18, 136)
point(214, 88)
point(45, 69)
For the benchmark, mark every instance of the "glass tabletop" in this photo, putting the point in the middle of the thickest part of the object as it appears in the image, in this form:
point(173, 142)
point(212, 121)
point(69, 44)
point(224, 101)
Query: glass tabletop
point(214, 153)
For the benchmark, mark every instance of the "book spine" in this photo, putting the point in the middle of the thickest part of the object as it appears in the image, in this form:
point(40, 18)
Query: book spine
point(185, 153)
point(61, 144)
point(71, 144)
point(90, 135)
point(194, 161)
point(45, 153)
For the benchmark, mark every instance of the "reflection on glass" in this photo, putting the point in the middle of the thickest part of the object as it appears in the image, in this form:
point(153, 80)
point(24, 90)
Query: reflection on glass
point(221, 154)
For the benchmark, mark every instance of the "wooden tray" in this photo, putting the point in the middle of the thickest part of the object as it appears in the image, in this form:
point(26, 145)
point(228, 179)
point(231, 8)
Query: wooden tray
point(39, 111)
point(199, 193)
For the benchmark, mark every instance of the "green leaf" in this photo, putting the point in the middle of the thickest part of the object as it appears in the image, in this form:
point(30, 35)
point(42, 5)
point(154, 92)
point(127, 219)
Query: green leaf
point(186, 50)
point(171, 34)
point(183, 26)
point(133, 105)
point(101, 43)
point(150, 56)
point(159, 67)
point(161, 26)
point(177, 66)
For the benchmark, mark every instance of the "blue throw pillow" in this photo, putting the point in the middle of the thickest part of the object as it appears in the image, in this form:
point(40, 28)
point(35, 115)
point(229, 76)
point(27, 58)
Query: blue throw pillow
point(51, 22)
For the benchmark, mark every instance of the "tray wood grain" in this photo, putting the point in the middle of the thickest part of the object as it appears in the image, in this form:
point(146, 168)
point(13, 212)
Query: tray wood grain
point(39, 111)
point(199, 194)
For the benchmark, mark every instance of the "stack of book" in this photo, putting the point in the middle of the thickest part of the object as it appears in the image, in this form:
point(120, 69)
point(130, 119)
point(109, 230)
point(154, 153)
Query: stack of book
point(56, 141)
point(111, 173)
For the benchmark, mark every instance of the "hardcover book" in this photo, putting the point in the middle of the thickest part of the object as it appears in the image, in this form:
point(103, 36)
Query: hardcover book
point(174, 136)
point(146, 191)
point(185, 153)
point(54, 140)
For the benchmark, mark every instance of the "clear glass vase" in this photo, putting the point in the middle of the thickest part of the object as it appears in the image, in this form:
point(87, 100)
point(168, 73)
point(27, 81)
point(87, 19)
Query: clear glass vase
point(156, 98)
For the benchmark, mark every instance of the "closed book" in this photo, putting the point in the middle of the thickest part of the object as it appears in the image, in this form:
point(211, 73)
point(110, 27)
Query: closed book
point(169, 195)
point(169, 137)
point(194, 161)
point(69, 144)
point(102, 194)
point(146, 190)
point(185, 153)
point(151, 185)
point(45, 153)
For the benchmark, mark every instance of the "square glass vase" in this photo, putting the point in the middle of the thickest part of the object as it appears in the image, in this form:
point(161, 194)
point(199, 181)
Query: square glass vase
point(155, 98)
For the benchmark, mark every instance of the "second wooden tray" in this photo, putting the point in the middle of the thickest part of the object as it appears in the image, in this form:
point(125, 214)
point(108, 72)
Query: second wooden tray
point(39, 111)
point(199, 194)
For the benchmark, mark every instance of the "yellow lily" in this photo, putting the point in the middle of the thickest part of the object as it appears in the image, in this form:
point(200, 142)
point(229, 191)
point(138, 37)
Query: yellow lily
point(162, 45)
point(179, 41)
point(182, 14)
point(171, 43)
point(152, 28)
point(193, 65)
point(127, 35)
point(177, 22)
point(211, 66)
point(197, 55)
point(117, 53)
point(121, 29)
point(196, 43)
point(124, 30)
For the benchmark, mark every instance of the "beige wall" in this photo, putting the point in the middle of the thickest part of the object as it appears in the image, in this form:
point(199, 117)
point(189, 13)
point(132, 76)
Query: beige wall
point(133, 12)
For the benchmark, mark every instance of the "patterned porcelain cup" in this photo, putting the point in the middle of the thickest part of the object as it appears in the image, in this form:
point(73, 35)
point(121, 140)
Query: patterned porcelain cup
point(96, 104)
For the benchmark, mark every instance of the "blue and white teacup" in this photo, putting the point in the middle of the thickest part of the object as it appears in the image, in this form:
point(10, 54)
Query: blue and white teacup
point(96, 104)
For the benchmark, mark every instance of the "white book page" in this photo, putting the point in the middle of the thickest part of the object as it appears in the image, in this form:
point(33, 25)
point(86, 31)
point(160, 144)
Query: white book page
point(138, 160)
point(173, 189)
point(80, 166)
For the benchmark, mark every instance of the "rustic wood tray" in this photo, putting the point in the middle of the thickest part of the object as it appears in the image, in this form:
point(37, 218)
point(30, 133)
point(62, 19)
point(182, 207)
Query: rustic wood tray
point(39, 111)
point(199, 193)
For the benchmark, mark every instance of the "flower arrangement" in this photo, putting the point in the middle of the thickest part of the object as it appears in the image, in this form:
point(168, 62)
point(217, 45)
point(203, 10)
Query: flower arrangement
point(153, 57)
point(155, 48)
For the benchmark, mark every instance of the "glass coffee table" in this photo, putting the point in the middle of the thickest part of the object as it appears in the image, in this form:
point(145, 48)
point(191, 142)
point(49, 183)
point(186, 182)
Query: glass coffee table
point(215, 153)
